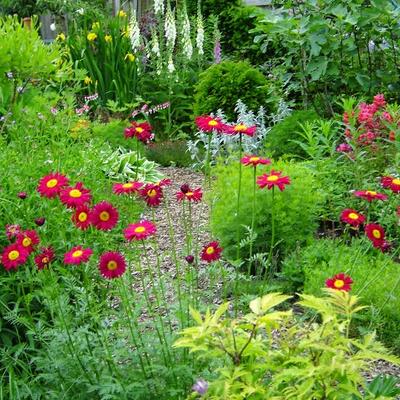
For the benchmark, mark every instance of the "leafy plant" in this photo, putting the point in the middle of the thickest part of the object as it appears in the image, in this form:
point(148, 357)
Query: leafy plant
point(169, 153)
point(304, 361)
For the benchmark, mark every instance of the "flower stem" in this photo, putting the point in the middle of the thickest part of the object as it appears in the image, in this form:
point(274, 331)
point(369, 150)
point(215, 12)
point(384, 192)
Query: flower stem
point(253, 215)
point(208, 162)
point(271, 250)
point(238, 200)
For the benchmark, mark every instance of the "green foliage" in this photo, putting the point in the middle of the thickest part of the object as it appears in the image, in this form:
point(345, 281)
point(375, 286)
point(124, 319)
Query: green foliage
point(376, 278)
point(305, 361)
point(169, 153)
point(333, 47)
point(296, 209)
point(280, 140)
point(222, 85)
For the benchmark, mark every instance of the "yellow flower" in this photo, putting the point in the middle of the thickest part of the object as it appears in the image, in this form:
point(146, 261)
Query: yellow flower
point(125, 33)
point(108, 38)
point(87, 80)
point(60, 37)
point(91, 36)
point(95, 25)
point(130, 57)
point(122, 14)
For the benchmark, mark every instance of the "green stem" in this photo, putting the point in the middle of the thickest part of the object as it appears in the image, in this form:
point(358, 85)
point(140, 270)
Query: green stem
point(271, 250)
point(253, 215)
point(238, 200)
point(208, 162)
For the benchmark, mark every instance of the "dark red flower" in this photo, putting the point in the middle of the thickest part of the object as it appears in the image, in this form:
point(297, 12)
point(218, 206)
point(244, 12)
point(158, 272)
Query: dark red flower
point(208, 124)
point(13, 256)
point(28, 240)
point(152, 194)
point(370, 195)
point(352, 217)
point(44, 258)
point(22, 195)
point(104, 216)
point(40, 221)
point(375, 233)
point(392, 183)
point(75, 196)
point(194, 195)
point(272, 179)
point(211, 252)
point(339, 282)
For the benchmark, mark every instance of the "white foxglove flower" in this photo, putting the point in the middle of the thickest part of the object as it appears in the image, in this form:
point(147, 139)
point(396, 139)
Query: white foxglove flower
point(200, 33)
point(170, 27)
point(186, 39)
point(155, 46)
point(134, 32)
point(159, 7)
point(171, 66)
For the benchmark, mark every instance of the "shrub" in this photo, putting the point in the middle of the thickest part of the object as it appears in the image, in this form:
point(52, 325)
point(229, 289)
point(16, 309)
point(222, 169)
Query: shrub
point(169, 153)
point(296, 209)
point(221, 85)
point(279, 140)
point(303, 361)
point(375, 275)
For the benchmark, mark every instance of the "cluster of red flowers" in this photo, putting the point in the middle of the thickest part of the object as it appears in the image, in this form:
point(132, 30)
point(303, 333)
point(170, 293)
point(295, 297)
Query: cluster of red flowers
point(142, 131)
point(367, 124)
point(209, 124)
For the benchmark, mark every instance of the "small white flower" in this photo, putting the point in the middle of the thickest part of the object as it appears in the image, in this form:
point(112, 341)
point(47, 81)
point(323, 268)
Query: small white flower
point(134, 32)
point(53, 27)
point(170, 27)
point(186, 39)
point(159, 7)
point(200, 33)
point(155, 46)
point(171, 66)
point(80, 11)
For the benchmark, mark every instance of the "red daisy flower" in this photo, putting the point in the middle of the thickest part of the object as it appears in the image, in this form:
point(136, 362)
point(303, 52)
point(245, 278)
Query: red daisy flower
point(243, 129)
point(273, 179)
point(152, 194)
point(375, 233)
point(339, 282)
point(352, 217)
point(141, 230)
point(194, 195)
point(28, 240)
point(211, 252)
point(77, 255)
point(13, 256)
point(140, 130)
point(44, 258)
point(207, 123)
point(112, 265)
point(75, 196)
point(164, 182)
point(254, 161)
point(370, 195)
point(129, 187)
point(51, 185)
point(81, 217)
point(389, 182)
point(12, 231)
point(104, 216)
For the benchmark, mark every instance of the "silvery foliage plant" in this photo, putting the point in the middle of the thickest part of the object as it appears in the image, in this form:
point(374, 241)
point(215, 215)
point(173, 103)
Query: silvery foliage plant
point(223, 145)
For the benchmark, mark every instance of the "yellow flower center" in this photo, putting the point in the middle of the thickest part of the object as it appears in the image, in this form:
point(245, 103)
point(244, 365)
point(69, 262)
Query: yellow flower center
point(339, 283)
point(376, 234)
point(75, 193)
point(371, 193)
point(152, 193)
point(104, 216)
point(127, 185)
point(112, 265)
point(26, 242)
point(273, 178)
point(77, 253)
point(254, 159)
point(213, 122)
point(210, 250)
point(240, 127)
point(51, 183)
point(353, 216)
point(140, 229)
point(139, 129)
point(189, 194)
point(13, 255)
point(45, 260)
point(82, 216)
point(396, 181)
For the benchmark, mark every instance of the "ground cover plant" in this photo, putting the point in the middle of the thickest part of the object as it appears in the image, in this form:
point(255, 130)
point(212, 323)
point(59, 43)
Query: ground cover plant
point(175, 224)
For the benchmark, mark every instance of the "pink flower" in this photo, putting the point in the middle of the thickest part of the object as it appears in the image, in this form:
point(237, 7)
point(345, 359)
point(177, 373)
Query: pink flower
point(344, 148)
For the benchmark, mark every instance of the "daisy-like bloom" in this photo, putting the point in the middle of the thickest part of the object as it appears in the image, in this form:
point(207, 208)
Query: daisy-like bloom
point(81, 217)
point(126, 188)
point(370, 195)
point(28, 240)
point(207, 124)
point(164, 182)
point(44, 258)
point(273, 179)
point(211, 252)
point(140, 231)
point(77, 255)
point(12, 231)
point(13, 256)
point(243, 129)
point(112, 265)
point(194, 195)
point(254, 161)
point(152, 194)
point(75, 196)
point(352, 217)
point(104, 216)
point(339, 282)
point(389, 182)
point(140, 130)
point(51, 185)
point(376, 234)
